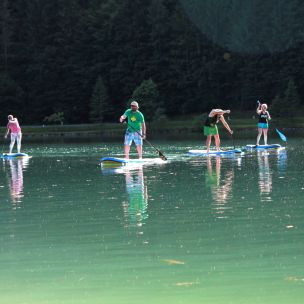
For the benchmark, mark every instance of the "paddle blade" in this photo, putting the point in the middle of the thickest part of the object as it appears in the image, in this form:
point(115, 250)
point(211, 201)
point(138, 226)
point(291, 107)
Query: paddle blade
point(161, 155)
point(282, 136)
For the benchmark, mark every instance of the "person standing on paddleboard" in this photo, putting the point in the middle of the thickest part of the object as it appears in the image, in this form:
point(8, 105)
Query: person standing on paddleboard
point(15, 130)
point(210, 127)
point(264, 117)
point(136, 130)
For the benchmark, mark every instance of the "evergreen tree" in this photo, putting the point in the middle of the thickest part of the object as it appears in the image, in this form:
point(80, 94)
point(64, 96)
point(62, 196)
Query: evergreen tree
point(52, 51)
point(5, 34)
point(99, 105)
point(147, 96)
point(289, 104)
point(278, 106)
point(55, 117)
point(11, 95)
point(291, 99)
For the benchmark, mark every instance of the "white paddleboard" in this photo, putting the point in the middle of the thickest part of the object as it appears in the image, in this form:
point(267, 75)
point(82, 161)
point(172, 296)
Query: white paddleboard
point(261, 147)
point(213, 152)
point(13, 155)
point(116, 161)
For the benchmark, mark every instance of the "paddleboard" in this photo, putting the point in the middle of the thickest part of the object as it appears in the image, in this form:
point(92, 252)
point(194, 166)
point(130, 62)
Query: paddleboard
point(204, 152)
point(13, 155)
point(274, 146)
point(116, 161)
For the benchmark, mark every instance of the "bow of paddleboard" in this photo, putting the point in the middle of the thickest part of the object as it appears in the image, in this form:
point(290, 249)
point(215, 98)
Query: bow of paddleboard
point(262, 147)
point(13, 155)
point(116, 161)
point(205, 153)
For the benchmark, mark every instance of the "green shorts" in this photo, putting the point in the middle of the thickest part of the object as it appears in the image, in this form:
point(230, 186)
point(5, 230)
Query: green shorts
point(210, 130)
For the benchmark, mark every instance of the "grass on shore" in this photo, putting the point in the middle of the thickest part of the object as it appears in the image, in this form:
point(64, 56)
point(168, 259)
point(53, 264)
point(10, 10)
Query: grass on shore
point(190, 123)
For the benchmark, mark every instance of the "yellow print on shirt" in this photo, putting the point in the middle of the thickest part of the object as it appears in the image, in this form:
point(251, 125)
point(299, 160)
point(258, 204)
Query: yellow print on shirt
point(133, 118)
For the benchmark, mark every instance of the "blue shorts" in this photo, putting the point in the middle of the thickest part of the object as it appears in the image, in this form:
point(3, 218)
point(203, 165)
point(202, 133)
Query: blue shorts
point(133, 136)
point(262, 125)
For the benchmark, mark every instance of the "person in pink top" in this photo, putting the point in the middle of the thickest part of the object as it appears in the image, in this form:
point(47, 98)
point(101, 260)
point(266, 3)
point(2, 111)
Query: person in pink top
point(15, 130)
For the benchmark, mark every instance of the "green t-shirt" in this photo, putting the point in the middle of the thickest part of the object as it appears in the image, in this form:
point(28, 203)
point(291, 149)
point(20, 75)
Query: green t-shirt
point(134, 120)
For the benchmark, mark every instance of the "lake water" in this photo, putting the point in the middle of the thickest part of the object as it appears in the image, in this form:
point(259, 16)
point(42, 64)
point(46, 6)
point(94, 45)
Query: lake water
point(192, 230)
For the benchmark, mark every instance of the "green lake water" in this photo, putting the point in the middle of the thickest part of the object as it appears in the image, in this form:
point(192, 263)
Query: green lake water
point(192, 230)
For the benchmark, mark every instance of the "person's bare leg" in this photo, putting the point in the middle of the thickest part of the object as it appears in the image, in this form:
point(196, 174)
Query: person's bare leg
point(19, 137)
point(139, 151)
point(208, 142)
point(127, 151)
point(265, 135)
point(259, 136)
point(12, 144)
point(217, 142)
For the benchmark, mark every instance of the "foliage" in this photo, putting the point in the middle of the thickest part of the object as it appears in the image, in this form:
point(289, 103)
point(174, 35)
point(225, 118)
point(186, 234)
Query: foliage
point(147, 96)
point(53, 51)
point(99, 105)
point(11, 95)
point(287, 105)
point(55, 118)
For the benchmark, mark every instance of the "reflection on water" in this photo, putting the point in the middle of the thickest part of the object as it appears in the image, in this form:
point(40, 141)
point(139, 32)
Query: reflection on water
point(282, 162)
point(17, 166)
point(265, 180)
point(78, 237)
point(135, 209)
point(136, 205)
point(265, 175)
point(220, 185)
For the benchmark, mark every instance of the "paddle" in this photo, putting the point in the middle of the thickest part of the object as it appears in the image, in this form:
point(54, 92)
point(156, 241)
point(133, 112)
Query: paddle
point(3, 146)
point(232, 137)
point(282, 136)
point(161, 155)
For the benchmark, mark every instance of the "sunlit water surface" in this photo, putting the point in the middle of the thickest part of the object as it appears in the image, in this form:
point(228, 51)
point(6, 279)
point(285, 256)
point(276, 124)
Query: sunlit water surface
point(192, 230)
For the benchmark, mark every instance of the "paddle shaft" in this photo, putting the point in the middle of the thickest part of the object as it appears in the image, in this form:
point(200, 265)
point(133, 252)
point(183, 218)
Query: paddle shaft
point(3, 146)
point(161, 155)
point(233, 141)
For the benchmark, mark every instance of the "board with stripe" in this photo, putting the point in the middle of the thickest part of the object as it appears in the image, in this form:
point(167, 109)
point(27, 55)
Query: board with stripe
point(116, 161)
point(263, 147)
point(13, 155)
point(214, 152)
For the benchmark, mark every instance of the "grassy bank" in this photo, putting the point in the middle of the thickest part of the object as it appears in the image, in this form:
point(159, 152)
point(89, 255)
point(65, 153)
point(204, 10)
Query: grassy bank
point(177, 128)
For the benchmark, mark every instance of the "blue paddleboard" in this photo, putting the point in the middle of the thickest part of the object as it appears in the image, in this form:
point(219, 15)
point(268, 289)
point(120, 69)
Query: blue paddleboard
point(13, 155)
point(116, 161)
point(204, 152)
point(261, 147)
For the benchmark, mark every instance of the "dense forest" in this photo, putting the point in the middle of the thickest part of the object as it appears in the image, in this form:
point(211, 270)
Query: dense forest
point(83, 60)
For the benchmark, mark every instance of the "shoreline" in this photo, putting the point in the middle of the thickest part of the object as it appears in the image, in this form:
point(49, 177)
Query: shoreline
point(113, 132)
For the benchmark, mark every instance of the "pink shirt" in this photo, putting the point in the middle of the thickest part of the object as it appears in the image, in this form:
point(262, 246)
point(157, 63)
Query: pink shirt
point(14, 126)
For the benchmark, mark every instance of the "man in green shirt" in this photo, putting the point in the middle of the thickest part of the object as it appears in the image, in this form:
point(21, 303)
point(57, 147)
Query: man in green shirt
point(136, 130)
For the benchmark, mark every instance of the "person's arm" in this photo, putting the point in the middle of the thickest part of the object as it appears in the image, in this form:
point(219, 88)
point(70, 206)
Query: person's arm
point(259, 108)
point(122, 118)
point(7, 132)
point(13, 121)
point(143, 130)
point(222, 119)
point(269, 118)
point(218, 112)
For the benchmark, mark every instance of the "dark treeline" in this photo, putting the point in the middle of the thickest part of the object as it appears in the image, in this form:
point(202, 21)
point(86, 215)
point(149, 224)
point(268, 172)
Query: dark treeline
point(84, 59)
